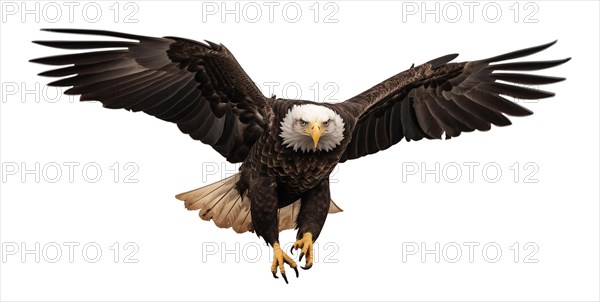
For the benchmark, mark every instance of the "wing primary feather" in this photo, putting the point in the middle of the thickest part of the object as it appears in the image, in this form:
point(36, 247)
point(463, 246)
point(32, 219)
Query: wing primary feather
point(87, 69)
point(109, 88)
point(89, 79)
point(97, 33)
point(528, 66)
point(133, 88)
point(516, 91)
point(82, 58)
point(85, 44)
point(498, 103)
point(527, 79)
point(519, 53)
point(139, 100)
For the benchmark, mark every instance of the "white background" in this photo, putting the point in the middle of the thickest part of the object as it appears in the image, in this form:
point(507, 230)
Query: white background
point(383, 212)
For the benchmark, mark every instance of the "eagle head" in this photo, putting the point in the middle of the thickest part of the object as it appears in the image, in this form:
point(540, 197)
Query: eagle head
point(312, 127)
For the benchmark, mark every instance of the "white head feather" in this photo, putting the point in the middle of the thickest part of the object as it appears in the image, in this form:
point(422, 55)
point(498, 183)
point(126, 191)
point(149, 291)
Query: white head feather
point(294, 136)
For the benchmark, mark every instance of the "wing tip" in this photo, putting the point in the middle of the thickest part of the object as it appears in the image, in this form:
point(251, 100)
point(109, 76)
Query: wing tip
point(96, 32)
point(43, 73)
point(37, 60)
point(520, 53)
point(43, 43)
point(65, 30)
point(543, 46)
point(550, 43)
point(523, 112)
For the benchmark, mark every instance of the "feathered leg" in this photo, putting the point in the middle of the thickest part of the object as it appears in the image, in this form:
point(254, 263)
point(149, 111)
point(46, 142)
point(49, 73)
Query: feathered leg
point(313, 212)
point(264, 209)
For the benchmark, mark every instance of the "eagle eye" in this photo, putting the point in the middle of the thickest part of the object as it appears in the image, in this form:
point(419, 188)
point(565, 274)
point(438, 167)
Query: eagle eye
point(303, 123)
point(326, 123)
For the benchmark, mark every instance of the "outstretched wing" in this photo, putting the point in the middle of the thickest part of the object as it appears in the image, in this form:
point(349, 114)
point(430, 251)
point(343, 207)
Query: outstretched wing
point(440, 98)
point(199, 86)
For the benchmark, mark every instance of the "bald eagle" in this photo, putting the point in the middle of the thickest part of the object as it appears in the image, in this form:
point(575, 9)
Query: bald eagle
point(288, 148)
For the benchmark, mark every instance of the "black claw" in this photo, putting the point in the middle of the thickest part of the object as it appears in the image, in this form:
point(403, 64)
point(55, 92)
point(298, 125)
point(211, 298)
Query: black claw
point(275, 275)
point(301, 255)
point(292, 250)
point(307, 267)
point(284, 278)
point(296, 269)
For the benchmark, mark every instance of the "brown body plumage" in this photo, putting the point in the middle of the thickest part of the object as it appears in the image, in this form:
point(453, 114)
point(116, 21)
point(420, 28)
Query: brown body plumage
point(202, 88)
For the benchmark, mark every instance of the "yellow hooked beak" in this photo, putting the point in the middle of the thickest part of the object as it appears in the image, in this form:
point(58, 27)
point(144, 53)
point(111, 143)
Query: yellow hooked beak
point(315, 133)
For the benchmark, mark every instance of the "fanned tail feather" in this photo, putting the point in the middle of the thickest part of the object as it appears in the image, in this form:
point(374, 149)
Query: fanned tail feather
point(221, 202)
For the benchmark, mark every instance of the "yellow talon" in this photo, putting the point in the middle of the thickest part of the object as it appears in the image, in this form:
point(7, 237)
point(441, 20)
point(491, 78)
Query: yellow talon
point(279, 258)
point(306, 248)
